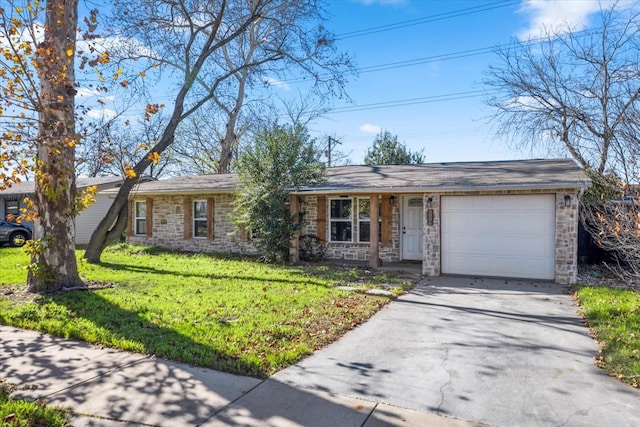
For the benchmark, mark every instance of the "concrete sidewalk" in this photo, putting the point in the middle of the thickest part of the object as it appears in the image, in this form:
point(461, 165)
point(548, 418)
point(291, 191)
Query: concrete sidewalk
point(105, 387)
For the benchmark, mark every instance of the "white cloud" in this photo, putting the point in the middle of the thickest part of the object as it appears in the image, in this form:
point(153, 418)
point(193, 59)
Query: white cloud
point(369, 128)
point(275, 82)
point(83, 94)
point(557, 16)
point(104, 114)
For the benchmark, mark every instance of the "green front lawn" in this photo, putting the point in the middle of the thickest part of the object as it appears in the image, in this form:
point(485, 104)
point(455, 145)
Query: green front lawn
point(231, 314)
point(614, 317)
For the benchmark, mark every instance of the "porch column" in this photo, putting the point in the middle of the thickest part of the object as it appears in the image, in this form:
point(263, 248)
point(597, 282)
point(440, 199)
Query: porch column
point(374, 251)
point(294, 209)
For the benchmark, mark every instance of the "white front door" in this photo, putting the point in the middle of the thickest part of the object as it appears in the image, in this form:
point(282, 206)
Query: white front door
point(412, 228)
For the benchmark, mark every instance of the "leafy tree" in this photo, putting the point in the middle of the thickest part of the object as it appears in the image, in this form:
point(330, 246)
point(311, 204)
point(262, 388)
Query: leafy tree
point(386, 150)
point(574, 92)
point(279, 160)
point(38, 81)
point(197, 43)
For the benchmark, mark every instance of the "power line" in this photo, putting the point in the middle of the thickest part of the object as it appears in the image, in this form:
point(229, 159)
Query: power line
point(428, 19)
point(411, 101)
point(449, 56)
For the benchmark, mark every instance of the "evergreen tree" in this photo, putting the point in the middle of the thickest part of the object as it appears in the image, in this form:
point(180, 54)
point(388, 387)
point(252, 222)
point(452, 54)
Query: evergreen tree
point(386, 150)
point(280, 159)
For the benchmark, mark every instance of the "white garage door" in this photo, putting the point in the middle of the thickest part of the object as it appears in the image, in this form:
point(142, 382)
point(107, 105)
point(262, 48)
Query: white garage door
point(503, 236)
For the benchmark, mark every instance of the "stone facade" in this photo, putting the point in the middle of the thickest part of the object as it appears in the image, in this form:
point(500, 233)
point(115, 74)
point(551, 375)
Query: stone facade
point(354, 251)
point(168, 230)
point(431, 256)
point(567, 237)
point(168, 227)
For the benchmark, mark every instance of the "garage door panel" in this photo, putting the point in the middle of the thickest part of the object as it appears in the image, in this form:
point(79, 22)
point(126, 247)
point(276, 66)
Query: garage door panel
point(507, 246)
point(506, 236)
point(522, 223)
point(484, 266)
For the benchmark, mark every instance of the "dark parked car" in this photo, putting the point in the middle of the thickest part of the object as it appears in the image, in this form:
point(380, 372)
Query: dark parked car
point(14, 234)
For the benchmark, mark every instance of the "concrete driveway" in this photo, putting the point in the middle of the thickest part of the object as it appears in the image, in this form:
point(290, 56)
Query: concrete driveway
point(500, 352)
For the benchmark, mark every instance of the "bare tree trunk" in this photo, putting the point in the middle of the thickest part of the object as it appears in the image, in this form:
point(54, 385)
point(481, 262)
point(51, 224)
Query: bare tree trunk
point(113, 224)
point(54, 259)
point(230, 140)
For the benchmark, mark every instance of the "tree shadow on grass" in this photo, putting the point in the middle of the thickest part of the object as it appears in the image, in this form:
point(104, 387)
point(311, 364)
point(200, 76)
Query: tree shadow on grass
point(128, 329)
point(137, 269)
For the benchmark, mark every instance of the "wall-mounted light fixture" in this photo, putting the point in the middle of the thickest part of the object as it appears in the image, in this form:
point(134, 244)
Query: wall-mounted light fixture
point(429, 202)
point(567, 201)
point(393, 199)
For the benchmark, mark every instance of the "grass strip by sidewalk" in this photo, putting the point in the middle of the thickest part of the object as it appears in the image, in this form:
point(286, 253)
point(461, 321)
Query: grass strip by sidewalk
point(614, 317)
point(232, 314)
point(20, 413)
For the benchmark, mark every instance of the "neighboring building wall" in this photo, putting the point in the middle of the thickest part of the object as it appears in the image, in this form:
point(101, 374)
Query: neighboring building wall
point(87, 220)
point(351, 250)
point(566, 263)
point(168, 227)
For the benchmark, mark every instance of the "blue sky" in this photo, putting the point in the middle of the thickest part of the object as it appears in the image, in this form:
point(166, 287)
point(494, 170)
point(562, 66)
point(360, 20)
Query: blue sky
point(437, 104)
point(447, 130)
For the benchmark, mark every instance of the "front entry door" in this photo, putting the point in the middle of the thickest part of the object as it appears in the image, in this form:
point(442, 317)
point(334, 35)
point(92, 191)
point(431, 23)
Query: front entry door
point(412, 228)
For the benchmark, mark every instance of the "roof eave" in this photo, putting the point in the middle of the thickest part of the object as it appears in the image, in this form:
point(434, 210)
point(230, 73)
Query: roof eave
point(173, 192)
point(445, 189)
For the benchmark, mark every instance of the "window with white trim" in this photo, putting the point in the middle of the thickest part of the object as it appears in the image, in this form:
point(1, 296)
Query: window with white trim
point(200, 218)
point(141, 218)
point(364, 220)
point(340, 219)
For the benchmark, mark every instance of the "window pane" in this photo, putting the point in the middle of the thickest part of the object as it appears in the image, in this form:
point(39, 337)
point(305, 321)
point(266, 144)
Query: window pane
point(341, 209)
point(363, 209)
point(141, 209)
point(415, 202)
point(340, 231)
point(200, 228)
point(199, 209)
point(12, 207)
point(364, 232)
point(141, 226)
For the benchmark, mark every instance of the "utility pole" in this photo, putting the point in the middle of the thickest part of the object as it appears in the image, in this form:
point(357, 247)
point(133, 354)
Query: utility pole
point(330, 149)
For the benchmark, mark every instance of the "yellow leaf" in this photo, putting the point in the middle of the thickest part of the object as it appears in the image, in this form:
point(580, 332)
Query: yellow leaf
point(153, 157)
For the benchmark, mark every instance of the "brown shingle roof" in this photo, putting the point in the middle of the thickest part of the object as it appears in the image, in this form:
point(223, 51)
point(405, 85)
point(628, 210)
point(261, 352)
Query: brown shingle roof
point(460, 176)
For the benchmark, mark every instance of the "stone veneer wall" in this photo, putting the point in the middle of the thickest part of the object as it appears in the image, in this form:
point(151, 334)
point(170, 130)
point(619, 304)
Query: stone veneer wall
point(567, 237)
point(168, 227)
point(431, 244)
point(566, 268)
point(351, 250)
